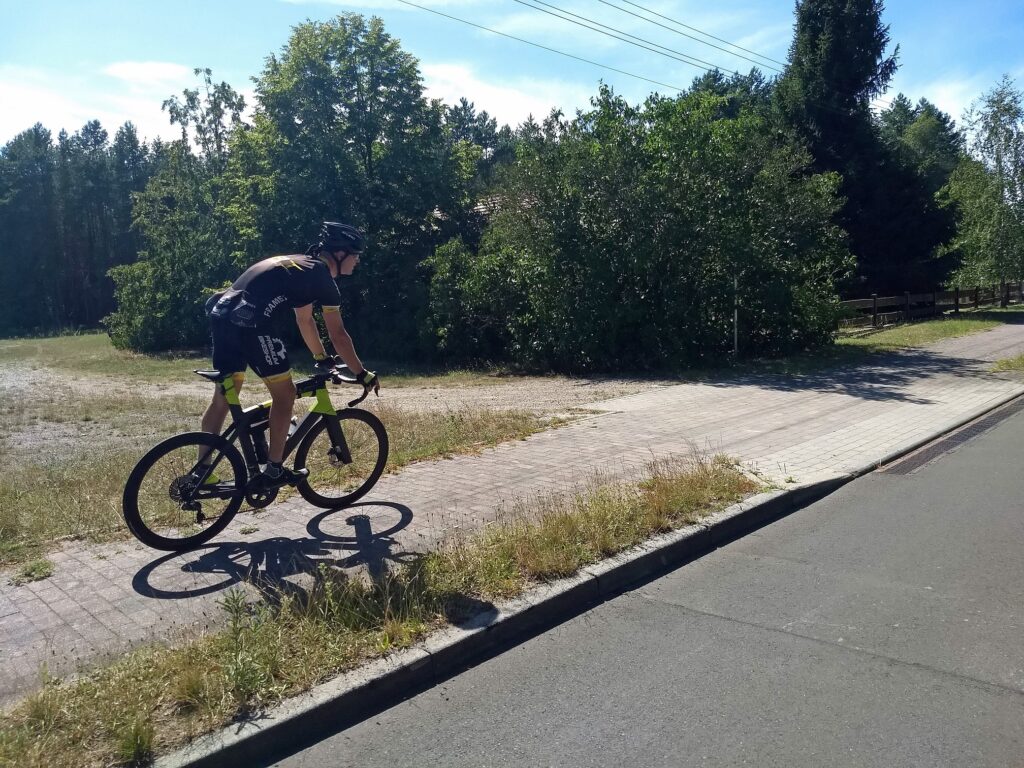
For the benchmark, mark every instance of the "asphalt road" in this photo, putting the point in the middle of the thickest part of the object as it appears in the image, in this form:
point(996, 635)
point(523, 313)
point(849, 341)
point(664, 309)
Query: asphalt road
point(883, 626)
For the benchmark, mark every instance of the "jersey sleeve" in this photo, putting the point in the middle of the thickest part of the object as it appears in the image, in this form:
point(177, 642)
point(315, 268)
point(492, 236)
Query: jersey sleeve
point(327, 294)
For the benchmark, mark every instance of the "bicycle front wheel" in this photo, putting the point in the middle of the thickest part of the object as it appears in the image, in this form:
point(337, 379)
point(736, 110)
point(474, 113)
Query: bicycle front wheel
point(168, 505)
point(332, 483)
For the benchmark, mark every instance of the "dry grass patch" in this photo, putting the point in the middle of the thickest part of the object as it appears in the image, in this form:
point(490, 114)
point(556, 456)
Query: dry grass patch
point(51, 495)
point(156, 699)
point(34, 570)
point(558, 536)
point(419, 435)
point(1009, 364)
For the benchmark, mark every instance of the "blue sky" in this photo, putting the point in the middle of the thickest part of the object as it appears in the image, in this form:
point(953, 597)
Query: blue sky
point(64, 62)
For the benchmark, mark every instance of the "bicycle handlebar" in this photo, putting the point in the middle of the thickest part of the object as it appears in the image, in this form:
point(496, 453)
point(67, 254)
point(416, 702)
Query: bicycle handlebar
point(337, 375)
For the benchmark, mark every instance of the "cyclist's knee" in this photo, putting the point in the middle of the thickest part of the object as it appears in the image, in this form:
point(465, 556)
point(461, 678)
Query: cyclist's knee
point(282, 388)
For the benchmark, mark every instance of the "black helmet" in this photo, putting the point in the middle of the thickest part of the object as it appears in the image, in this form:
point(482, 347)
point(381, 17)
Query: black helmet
point(340, 237)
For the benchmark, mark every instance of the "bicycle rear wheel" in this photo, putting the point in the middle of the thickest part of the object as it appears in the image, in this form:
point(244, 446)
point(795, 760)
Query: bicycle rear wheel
point(331, 482)
point(167, 506)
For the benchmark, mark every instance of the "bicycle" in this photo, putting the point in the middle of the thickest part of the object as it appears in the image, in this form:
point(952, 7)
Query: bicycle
point(172, 501)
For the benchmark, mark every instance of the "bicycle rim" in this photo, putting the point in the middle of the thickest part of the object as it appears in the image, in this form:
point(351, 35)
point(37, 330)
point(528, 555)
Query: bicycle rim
point(167, 507)
point(331, 483)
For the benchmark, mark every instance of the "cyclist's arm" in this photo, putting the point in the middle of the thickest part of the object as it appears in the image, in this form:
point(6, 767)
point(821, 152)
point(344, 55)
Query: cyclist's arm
point(341, 340)
point(310, 333)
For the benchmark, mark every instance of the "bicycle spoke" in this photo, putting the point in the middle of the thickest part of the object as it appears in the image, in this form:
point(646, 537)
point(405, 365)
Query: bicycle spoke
point(173, 504)
point(328, 474)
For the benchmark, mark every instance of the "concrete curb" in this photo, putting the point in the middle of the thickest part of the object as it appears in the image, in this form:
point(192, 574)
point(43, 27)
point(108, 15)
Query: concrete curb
point(356, 695)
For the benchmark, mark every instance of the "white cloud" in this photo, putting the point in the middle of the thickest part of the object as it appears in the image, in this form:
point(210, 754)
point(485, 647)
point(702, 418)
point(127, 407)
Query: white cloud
point(509, 102)
point(388, 4)
point(146, 76)
point(953, 93)
point(770, 41)
point(112, 95)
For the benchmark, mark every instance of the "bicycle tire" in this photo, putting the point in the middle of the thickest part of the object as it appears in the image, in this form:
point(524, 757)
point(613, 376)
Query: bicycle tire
point(139, 512)
point(330, 485)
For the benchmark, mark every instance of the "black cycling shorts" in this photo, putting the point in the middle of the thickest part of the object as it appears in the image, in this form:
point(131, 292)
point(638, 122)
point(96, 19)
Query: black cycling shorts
point(235, 347)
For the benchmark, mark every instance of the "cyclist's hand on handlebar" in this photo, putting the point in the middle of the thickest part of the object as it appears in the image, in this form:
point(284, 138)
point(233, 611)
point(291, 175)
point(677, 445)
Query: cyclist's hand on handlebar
point(327, 363)
point(369, 380)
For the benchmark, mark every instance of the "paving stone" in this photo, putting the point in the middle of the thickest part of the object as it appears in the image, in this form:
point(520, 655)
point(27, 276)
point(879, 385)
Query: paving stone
point(103, 598)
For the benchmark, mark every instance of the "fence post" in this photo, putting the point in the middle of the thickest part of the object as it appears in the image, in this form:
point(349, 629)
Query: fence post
point(956, 300)
point(1004, 294)
point(906, 313)
point(935, 304)
point(977, 291)
point(874, 310)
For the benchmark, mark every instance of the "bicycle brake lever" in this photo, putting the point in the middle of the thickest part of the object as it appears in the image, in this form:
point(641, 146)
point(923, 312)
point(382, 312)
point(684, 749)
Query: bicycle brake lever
point(358, 400)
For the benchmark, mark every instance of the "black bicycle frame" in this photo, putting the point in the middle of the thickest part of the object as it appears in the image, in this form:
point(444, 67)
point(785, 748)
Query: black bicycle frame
point(243, 422)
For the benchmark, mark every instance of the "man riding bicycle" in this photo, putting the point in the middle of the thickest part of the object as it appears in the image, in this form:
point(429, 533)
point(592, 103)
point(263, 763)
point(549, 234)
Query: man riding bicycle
point(240, 320)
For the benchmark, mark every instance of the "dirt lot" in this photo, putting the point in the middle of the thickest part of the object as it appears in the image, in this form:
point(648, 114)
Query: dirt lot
point(61, 413)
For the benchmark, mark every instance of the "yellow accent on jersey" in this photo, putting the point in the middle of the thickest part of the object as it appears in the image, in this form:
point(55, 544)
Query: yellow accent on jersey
point(287, 262)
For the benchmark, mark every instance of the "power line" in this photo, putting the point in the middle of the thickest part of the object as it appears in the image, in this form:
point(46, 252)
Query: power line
point(616, 33)
point(644, 43)
point(543, 47)
point(694, 29)
point(878, 99)
point(702, 42)
point(673, 54)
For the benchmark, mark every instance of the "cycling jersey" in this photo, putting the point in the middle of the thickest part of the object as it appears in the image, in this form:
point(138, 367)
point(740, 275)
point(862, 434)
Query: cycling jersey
point(242, 315)
point(263, 288)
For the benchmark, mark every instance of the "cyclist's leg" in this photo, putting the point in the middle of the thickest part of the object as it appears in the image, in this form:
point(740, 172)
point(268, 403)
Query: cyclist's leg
point(282, 395)
point(228, 357)
point(268, 356)
point(217, 411)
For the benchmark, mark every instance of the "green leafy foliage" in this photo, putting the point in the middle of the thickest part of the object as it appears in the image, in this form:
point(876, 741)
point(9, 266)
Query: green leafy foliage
point(184, 229)
point(627, 236)
point(343, 132)
point(621, 236)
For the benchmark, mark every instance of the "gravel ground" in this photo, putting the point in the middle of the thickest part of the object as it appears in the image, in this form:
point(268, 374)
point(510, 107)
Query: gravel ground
point(25, 390)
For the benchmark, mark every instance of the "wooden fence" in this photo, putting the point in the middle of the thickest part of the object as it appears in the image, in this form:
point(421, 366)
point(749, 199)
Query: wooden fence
point(879, 311)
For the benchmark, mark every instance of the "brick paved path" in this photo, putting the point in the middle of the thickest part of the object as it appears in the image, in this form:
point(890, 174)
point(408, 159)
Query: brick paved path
point(102, 599)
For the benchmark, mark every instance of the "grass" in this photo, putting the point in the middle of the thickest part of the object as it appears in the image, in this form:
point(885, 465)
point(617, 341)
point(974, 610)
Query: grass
point(48, 497)
point(918, 334)
point(92, 354)
point(1009, 364)
point(34, 570)
point(155, 699)
point(50, 491)
point(851, 349)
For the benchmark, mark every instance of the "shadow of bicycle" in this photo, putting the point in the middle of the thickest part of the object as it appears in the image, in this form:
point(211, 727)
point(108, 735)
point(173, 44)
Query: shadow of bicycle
point(279, 565)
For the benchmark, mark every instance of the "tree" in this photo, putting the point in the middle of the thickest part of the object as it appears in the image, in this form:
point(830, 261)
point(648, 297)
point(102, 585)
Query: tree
point(29, 233)
point(924, 138)
point(131, 165)
point(185, 230)
point(987, 190)
point(342, 131)
point(838, 63)
point(623, 233)
point(211, 115)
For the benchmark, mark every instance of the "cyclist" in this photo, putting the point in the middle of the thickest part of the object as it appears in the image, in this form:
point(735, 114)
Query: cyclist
point(240, 320)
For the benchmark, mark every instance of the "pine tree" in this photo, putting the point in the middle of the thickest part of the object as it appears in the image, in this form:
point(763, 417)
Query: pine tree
point(838, 63)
